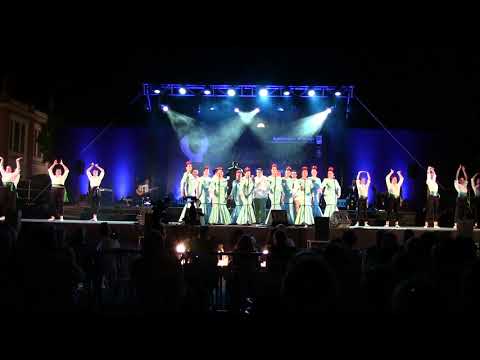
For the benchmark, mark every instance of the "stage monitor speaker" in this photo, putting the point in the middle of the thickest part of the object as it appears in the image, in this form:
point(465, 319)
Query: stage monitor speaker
point(173, 213)
point(340, 220)
point(106, 198)
point(278, 217)
point(465, 228)
point(80, 167)
point(322, 228)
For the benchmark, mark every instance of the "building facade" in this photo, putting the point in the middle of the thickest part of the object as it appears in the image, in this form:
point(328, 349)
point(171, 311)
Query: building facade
point(20, 127)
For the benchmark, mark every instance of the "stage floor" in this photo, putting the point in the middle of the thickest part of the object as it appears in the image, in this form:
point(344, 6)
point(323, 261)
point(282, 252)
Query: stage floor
point(85, 222)
point(303, 237)
point(130, 232)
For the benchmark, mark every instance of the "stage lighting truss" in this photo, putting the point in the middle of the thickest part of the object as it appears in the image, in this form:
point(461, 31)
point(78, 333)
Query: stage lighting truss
point(245, 91)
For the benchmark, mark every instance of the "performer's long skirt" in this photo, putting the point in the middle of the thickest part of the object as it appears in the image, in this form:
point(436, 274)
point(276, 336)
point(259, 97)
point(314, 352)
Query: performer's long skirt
point(246, 215)
point(219, 215)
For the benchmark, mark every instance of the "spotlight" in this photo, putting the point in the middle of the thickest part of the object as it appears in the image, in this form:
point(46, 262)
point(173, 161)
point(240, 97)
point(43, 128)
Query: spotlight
point(207, 92)
point(263, 92)
point(311, 92)
point(180, 248)
point(338, 93)
point(265, 252)
point(286, 93)
point(261, 125)
point(237, 110)
point(212, 108)
point(156, 91)
point(256, 110)
point(328, 111)
point(281, 109)
point(164, 108)
point(182, 91)
point(231, 92)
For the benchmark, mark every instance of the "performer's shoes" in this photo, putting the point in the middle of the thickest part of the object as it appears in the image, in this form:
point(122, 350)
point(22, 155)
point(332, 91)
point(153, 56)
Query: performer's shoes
point(61, 218)
point(425, 227)
point(52, 219)
point(435, 225)
point(356, 225)
point(455, 227)
point(397, 226)
point(2, 218)
point(366, 225)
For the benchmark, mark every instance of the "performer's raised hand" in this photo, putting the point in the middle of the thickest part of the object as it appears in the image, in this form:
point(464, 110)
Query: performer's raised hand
point(20, 158)
point(55, 162)
point(399, 172)
point(91, 164)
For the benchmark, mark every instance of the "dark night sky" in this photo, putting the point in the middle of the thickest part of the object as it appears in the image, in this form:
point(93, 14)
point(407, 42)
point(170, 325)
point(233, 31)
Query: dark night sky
point(404, 87)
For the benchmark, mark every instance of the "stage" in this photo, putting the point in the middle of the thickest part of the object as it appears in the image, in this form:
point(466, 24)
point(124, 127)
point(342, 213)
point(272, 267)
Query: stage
point(303, 237)
point(130, 233)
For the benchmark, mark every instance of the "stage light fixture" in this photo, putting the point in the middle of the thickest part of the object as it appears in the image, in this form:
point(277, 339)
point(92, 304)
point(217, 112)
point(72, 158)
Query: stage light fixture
point(286, 93)
point(338, 93)
point(281, 109)
point(156, 91)
point(261, 125)
point(182, 91)
point(207, 92)
point(164, 108)
point(180, 248)
point(311, 93)
point(231, 92)
point(263, 92)
point(212, 108)
point(329, 110)
point(237, 110)
point(256, 110)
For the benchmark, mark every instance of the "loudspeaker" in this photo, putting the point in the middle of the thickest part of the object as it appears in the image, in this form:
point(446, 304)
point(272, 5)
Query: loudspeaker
point(322, 228)
point(412, 171)
point(173, 213)
point(340, 220)
point(80, 167)
point(278, 217)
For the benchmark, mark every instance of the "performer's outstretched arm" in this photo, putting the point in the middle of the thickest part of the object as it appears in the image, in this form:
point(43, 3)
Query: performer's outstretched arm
point(387, 179)
point(473, 180)
point(2, 170)
point(88, 171)
point(50, 169)
point(400, 182)
point(458, 172)
point(369, 179)
point(465, 173)
point(65, 168)
point(17, 169)
point(102, 171)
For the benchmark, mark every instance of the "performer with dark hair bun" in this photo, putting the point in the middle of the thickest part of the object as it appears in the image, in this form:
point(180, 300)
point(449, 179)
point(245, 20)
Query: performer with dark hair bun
point(8, 188)
point(305, 212)
point(218, 193)
point(58, 193)
point(433, 198)
point(331, 192)
point(247, 214)
point(95, 176)
point(316, 183)
point(393, 201)
point(461, 185)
